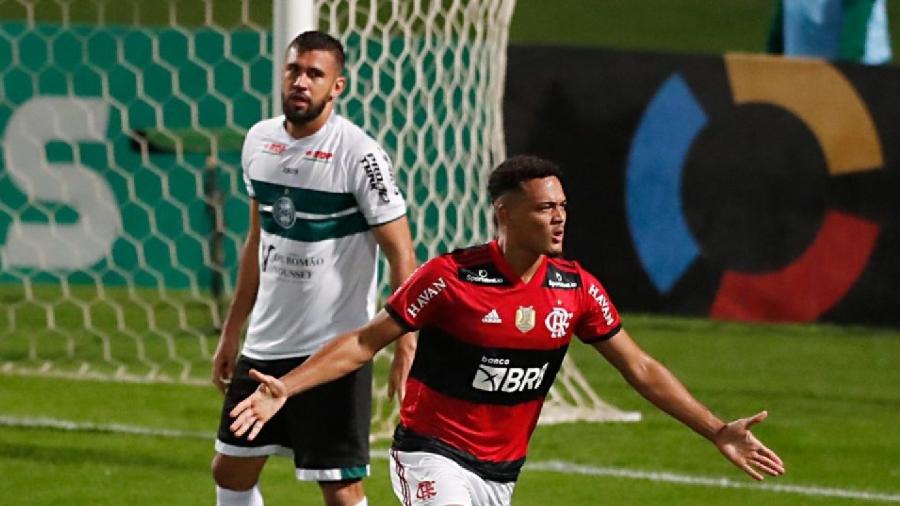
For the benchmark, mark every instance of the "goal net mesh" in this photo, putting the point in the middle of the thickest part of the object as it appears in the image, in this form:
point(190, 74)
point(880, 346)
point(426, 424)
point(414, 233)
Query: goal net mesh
point(122, 210)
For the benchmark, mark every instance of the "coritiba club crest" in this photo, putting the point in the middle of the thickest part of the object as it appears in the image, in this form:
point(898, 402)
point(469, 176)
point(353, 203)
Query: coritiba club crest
point(284, 212)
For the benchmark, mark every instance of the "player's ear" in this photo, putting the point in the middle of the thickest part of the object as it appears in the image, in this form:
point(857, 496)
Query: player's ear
point(339, 84)
point(501, 214)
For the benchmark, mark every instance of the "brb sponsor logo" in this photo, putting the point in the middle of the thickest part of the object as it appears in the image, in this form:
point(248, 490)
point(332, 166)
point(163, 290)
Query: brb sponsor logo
point(496, 375)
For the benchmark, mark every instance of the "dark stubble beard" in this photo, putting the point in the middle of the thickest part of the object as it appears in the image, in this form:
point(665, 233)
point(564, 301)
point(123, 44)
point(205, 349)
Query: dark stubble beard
point(301, 118)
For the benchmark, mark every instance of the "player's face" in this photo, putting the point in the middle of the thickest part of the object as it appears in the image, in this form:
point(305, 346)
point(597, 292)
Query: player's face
point(311, 82)
point(536, 216)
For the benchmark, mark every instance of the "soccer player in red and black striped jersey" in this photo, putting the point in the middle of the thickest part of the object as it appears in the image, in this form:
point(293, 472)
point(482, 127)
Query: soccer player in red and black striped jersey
point(494, 323)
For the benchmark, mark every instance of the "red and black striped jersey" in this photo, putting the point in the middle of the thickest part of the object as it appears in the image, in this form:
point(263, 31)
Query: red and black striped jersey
point(489, 348)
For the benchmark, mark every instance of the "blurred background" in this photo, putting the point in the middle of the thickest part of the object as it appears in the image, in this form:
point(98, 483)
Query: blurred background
point(739, 203)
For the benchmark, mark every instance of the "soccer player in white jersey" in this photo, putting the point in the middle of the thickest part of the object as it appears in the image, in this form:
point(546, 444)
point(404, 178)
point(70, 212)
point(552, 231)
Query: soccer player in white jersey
point(323, 201)
point(495, 321)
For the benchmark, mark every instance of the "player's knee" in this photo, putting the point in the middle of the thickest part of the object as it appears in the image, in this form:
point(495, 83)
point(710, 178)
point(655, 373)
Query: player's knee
point(343, 493)
point(235, 473)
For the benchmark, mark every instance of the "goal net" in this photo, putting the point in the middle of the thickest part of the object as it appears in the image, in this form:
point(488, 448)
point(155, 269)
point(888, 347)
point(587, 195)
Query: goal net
point(122, 209)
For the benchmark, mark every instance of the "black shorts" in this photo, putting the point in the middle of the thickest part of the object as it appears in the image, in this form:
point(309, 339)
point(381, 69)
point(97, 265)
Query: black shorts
point(326, 429)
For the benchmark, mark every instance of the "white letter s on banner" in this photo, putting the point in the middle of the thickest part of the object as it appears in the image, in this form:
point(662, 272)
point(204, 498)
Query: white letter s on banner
point(52, 246)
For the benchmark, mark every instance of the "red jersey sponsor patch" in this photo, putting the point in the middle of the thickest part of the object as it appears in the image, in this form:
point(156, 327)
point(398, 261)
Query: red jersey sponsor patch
point(274, 148)
point(318, 156)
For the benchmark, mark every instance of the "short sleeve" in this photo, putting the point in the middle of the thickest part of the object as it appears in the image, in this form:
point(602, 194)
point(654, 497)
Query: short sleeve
point(374, 187)
point(246, 159)
point(417, 302)
point(600, 319)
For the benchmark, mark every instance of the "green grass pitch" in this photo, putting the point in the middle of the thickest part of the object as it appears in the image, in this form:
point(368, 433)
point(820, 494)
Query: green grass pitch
point(831, 393)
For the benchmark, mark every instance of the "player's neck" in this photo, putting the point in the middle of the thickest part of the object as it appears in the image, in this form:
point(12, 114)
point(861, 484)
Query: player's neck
point(523, 262)
point(301, 130)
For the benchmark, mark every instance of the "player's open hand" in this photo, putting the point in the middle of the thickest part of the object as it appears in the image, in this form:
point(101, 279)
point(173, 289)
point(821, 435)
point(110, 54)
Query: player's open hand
point(252, 413)
point(741, 447)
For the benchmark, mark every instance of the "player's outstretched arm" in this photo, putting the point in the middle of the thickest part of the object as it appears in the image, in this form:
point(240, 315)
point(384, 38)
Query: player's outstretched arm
point(658, 385)
point(343, 355)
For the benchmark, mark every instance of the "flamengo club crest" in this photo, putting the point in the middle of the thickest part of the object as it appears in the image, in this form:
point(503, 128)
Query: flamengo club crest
point(283, 212)
point(557, 322)
point(425, 490)
point(525, 318)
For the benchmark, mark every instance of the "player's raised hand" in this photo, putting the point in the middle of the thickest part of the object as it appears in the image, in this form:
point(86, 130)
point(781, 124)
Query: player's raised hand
point(741, 447)
point(253, 412)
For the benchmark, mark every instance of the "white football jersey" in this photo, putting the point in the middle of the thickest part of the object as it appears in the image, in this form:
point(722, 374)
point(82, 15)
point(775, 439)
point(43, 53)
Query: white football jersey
point(318, 197)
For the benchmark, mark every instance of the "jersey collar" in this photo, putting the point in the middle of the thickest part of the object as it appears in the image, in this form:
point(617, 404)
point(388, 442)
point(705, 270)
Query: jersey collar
point(318, 134)
point(510, 274)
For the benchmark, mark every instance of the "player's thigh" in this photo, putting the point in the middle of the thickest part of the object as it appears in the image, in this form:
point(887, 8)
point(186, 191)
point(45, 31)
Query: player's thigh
point(236, 473)
point(329, 428)
point(420, 478)
point(489, 493)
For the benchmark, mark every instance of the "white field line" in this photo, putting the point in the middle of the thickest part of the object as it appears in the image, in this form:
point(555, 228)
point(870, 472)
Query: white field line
point(115, 428)
point(708, 481)
point(555, 466)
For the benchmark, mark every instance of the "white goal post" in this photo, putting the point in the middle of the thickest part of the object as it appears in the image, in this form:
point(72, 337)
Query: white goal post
point(122, 209)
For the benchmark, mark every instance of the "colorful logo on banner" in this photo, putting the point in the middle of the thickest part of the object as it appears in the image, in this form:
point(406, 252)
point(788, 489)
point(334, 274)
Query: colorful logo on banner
point(820, 276)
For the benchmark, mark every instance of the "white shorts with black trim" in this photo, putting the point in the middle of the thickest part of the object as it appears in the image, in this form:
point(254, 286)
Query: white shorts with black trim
point(423, 478)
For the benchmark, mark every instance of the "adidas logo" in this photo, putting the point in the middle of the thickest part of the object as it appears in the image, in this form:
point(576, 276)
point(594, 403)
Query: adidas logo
point(492, 317)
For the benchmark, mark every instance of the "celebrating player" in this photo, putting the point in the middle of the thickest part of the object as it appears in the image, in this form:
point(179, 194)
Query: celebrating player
point(494, 324)
point(323, 199)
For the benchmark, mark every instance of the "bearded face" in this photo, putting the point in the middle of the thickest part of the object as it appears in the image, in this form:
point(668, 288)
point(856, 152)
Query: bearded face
point(300, 108)
point(312, 80)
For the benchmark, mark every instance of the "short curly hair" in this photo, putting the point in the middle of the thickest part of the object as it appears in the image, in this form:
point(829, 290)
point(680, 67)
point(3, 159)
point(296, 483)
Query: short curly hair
point(512, 172)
